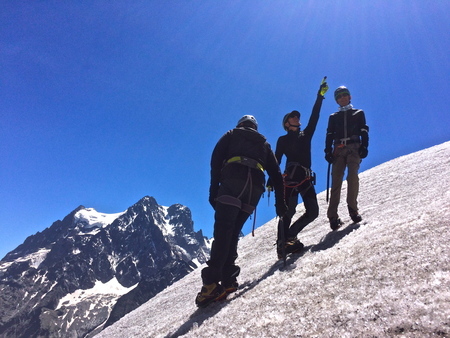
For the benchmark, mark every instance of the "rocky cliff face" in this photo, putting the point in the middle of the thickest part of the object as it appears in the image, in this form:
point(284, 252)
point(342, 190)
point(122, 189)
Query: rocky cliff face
point(88, 270)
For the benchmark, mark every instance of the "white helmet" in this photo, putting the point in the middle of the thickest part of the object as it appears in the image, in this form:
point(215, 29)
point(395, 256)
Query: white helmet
point(247, 119)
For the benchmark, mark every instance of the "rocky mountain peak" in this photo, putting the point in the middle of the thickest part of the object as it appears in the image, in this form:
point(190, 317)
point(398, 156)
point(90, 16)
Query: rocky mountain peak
point(130, 256)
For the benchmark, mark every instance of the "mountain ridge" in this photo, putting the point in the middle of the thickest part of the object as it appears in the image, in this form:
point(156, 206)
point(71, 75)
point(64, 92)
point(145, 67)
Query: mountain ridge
point(48, 283)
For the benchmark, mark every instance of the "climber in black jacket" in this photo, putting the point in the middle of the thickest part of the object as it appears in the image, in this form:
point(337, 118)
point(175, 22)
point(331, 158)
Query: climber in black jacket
point(346, 144)
point(238, 163)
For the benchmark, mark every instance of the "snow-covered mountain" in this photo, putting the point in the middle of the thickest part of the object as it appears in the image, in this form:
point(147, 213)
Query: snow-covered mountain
point(83, 273)
point(387, 276)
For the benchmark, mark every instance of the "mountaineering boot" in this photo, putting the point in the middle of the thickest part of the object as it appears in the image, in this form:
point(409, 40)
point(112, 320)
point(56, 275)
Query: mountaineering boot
point(291, 245)
point(231, 287)
point(229, 281)
point(335, 223)
point(355, 216)
point(210, 293)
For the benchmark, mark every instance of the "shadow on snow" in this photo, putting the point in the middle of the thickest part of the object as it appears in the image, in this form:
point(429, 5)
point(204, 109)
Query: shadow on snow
point(200, 315)
point(333, 237)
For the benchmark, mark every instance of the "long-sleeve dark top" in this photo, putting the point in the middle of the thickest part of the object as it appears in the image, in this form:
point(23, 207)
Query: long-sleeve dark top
point(249, 143)
point(345, 127)
point(296, 145)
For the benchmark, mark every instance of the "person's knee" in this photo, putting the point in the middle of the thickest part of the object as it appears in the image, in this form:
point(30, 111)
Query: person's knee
point(312, 207)
point(311, 215)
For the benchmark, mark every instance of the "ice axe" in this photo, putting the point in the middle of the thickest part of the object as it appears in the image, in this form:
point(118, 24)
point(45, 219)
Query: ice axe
point(328, 179)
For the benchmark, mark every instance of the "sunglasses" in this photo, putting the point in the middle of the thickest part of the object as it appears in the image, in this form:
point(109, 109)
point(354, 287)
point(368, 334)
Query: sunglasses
point(341, 95)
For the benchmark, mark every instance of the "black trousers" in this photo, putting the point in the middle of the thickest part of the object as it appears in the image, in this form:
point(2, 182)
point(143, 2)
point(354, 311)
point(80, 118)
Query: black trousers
point(235, 202)
point(309, 197)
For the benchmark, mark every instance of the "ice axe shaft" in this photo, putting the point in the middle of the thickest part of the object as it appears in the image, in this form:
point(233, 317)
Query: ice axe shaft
point(328, 180)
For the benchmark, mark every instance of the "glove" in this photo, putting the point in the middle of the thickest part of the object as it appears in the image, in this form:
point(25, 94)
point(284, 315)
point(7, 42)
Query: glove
point(280, 207)
point(363, 151)
point(329, 157)
point(323, 87)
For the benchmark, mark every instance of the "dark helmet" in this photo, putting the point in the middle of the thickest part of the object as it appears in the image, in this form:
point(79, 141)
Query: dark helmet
point(341, 90)
point(288, 115)
point(248, 121)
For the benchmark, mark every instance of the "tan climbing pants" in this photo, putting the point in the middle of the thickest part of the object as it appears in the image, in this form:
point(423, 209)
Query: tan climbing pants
point(345, 157)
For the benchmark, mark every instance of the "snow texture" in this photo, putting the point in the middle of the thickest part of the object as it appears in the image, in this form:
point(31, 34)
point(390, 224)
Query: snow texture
point(386, 276)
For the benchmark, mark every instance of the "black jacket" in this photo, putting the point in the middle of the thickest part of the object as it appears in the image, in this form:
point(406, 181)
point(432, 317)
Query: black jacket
point(347, 126)
point(249, 143)
point(296, 145)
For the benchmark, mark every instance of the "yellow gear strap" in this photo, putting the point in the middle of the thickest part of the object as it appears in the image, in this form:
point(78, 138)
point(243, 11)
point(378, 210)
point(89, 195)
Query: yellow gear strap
point(246, 161)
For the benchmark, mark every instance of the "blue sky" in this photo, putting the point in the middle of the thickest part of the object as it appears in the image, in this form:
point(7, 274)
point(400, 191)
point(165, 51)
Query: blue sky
point(103, 103)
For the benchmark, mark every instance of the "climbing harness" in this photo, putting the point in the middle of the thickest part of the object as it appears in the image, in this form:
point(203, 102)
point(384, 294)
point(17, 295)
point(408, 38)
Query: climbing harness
point(309, 176)
point(249, 162)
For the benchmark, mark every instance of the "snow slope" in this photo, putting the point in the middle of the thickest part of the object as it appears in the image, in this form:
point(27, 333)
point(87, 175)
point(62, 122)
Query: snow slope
point(387, 276)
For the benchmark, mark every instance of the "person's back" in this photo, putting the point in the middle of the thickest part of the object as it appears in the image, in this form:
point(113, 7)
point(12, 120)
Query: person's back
point(242, 153)
point(237, 183)
point(237, 145)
